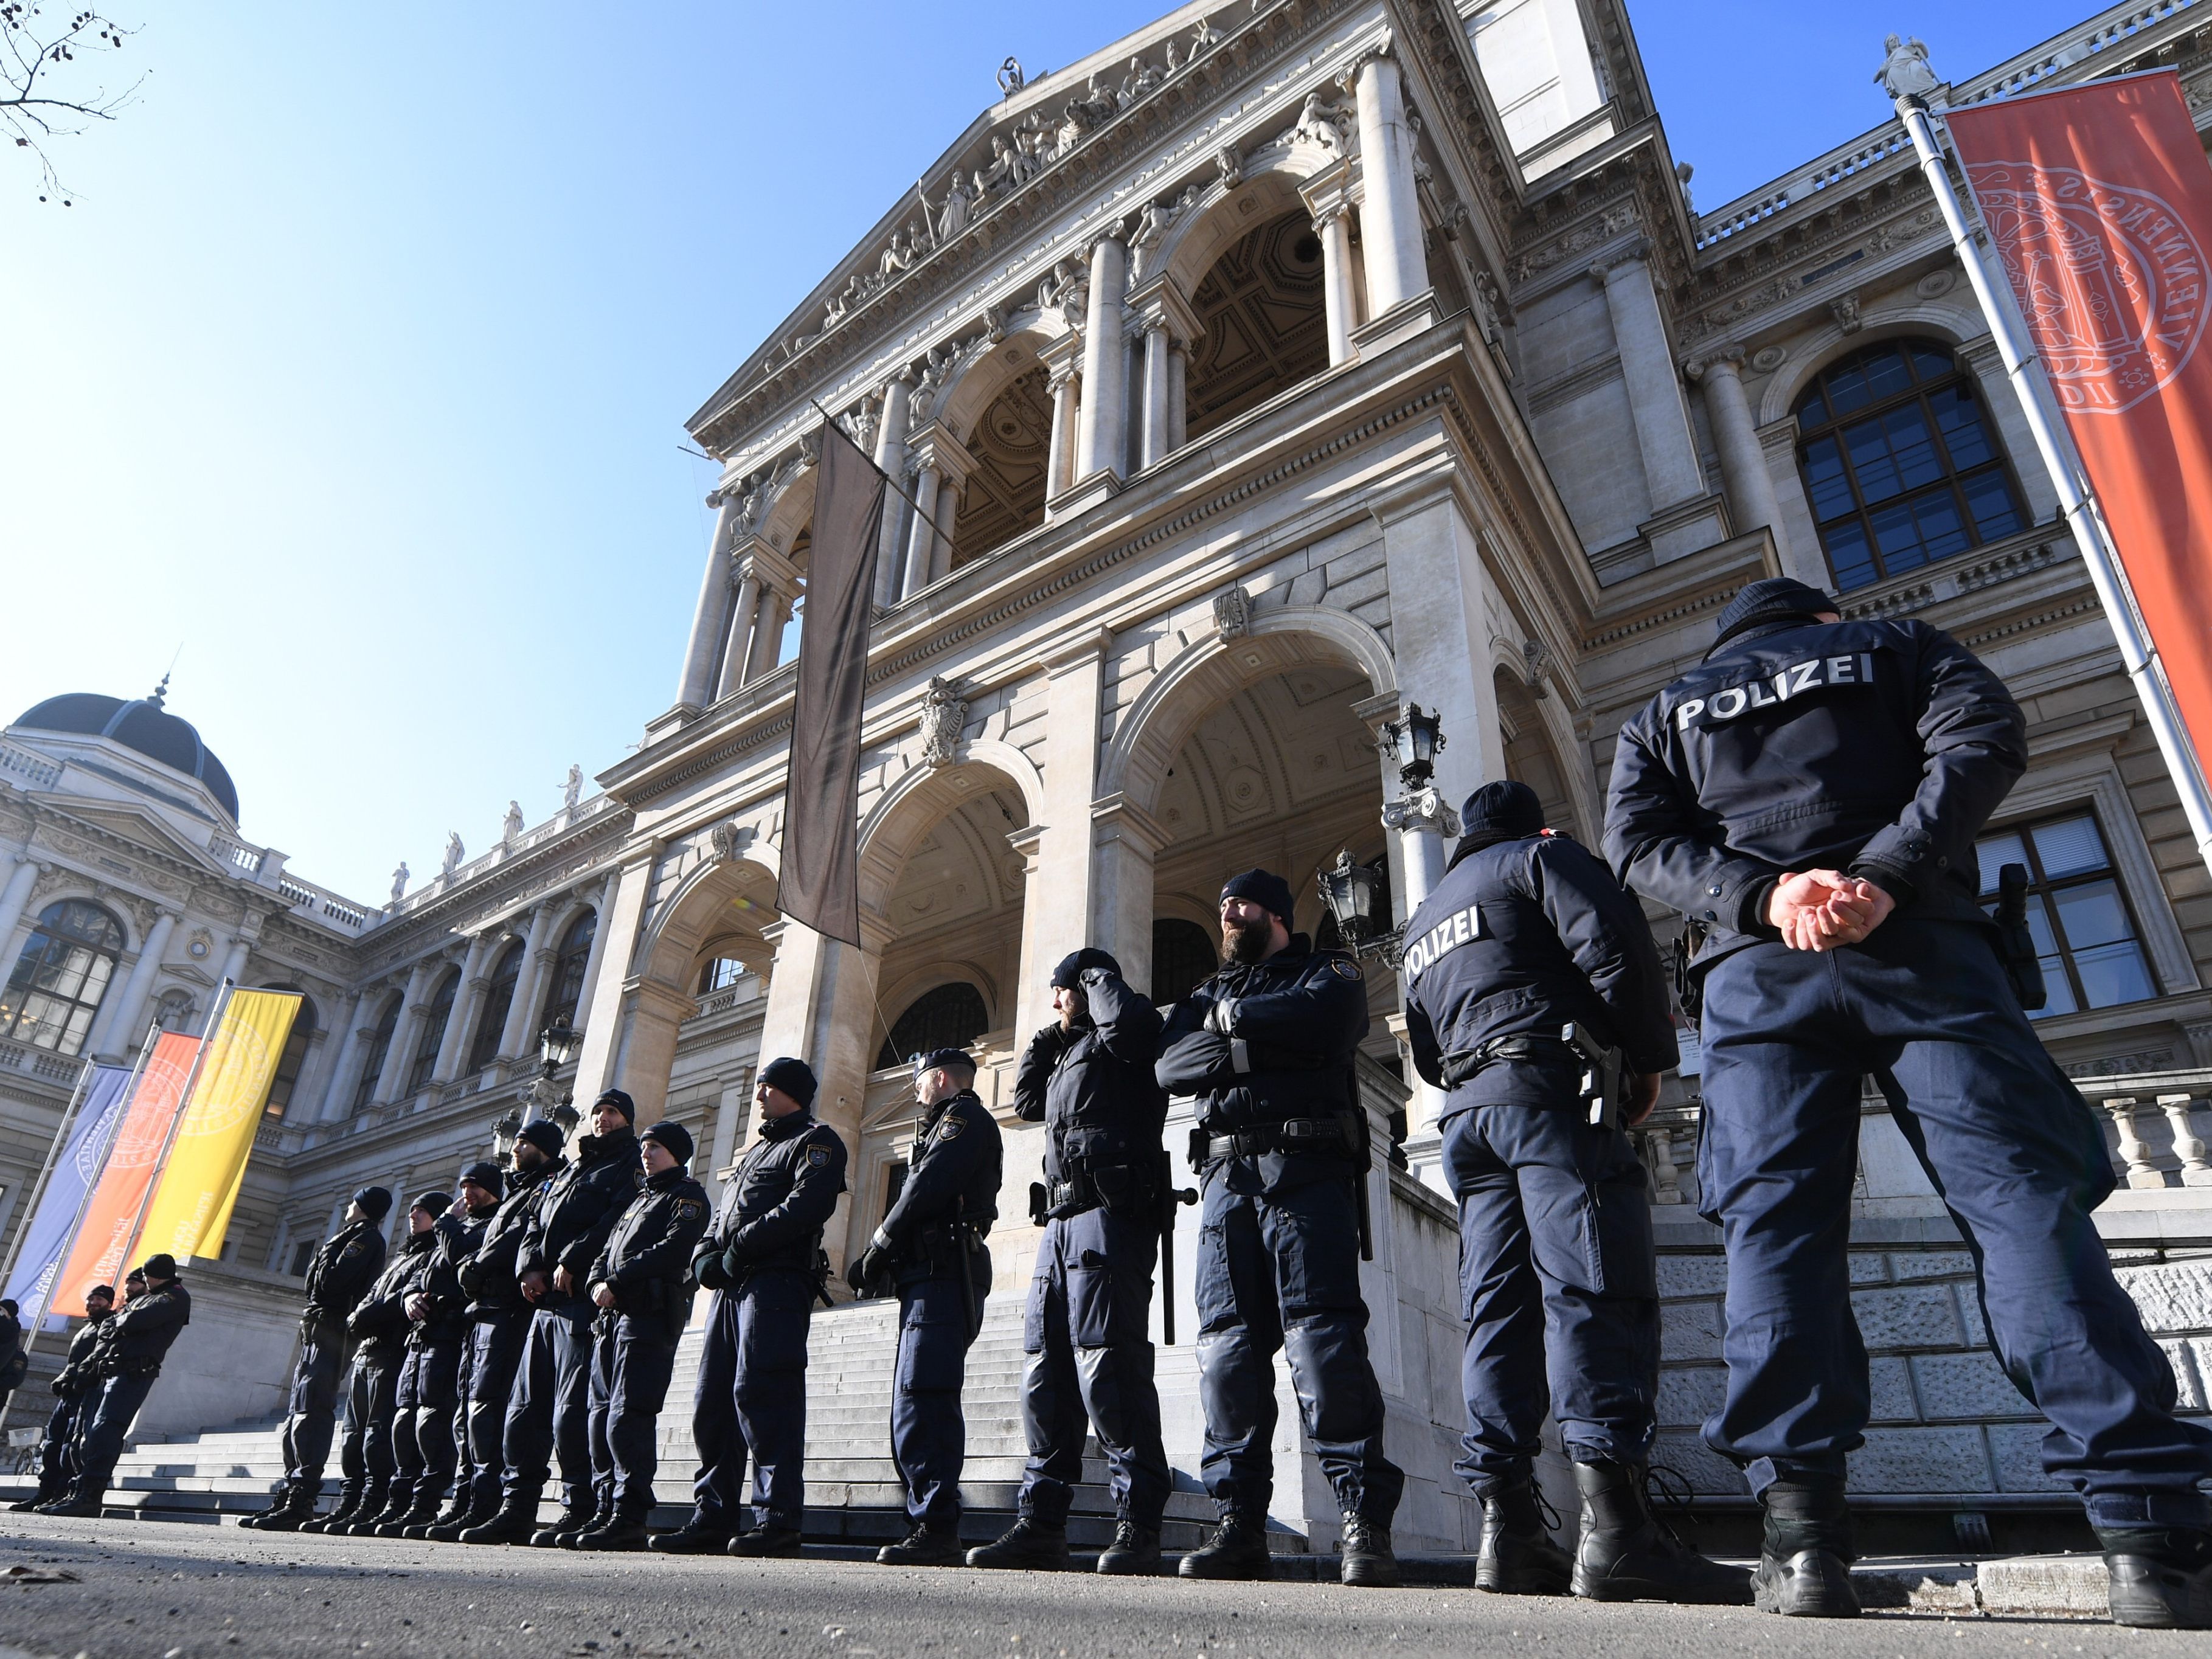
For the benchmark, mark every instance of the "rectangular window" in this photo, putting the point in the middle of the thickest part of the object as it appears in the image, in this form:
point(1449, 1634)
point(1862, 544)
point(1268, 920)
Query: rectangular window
point(303, 1257)
point(2092, 954)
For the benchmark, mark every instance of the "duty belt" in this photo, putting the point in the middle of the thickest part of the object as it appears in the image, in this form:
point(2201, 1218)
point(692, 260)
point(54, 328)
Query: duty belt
point(1461, 1064)
point(1336, 1134)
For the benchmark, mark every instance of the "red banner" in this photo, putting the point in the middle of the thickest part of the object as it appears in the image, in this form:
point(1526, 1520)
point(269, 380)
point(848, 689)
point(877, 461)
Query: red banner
point(2099, 204)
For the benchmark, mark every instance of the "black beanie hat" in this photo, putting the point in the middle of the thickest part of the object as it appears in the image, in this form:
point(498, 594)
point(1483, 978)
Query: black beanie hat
point(375, 1202)
point(1069, 974)
point(1501, 809)
point(951, 1060)
point(436, 1201)
point(485, 1173)
point(163, 1266)
point(794, 1077)
point(674, 1136)
point(1265, 889)
point(1773, 598)
point(621, 1101)
point(545, 1135)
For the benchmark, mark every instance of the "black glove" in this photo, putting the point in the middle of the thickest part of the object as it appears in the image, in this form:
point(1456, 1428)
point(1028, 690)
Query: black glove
point(864, 1269)
point(1221, 1016)
point(709, 1271)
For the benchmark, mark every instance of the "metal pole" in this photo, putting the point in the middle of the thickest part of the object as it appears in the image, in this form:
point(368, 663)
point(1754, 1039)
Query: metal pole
point(2075, 499)
point(176, 1122)
point(46, 1170)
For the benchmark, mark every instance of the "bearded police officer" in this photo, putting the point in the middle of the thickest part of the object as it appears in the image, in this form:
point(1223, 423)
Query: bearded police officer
point(1809, 797)
point(762, 1259)
point(1088, 1077)
point(549, 1409)
point(72, 1388)
point(123, 1364)
point(1267, 1045)
point(338, 1279)
point(930, 1248)
point(1526, 947)
point(498, 1323)
point(379, 1326)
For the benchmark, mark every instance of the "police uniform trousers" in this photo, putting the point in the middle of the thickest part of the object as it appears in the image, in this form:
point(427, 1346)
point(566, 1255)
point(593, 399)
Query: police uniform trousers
point(312, 1410)
point(929, 1433)
point(1555, 1280)
point(365, 1453)
point(108, 1409)
point(58, 1453)
point(751, 1402)
point(488, 1367)
point(424, 1451)
point(1087, 1337)
point(1282, 1272)
point(2014, 1152)
point(549, 1409)
point(632, 1360)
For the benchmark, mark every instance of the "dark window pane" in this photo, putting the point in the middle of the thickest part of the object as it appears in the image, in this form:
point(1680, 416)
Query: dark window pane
point(1847, 554)
point(1886, 374)
point(1814, 411)
point(1931, 363)
point(1943, 532)
point(1989, 498)
point(1994, 852)
point(2093, 914)
point(2070, 847)
point(2113, 974)
point(1960, 419)
point(1898, 535)
point(2038, 925)
point(1825, 481)
point(1847, 389)
point(1913, 445)
point(2057, 989)
point(499, 999)
point(1870, 461)
point(949, 1016)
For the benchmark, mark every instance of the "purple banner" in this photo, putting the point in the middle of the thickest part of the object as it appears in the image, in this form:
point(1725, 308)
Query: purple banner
point(46, 1236)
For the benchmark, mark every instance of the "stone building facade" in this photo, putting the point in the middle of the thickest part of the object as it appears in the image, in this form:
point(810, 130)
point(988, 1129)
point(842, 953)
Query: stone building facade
point(1278, 366)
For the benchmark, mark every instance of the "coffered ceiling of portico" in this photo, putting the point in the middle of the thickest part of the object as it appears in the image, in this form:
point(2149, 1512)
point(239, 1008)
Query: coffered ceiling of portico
point(963, 870)
point(1279, 746)
point(1004, 495)
point(1263, 321)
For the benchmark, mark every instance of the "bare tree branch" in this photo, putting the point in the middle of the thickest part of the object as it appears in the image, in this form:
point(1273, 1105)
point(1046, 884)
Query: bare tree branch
point(42, 97)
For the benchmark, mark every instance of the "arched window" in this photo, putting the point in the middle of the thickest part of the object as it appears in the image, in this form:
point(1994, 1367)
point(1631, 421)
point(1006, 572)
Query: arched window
point(950, 1017)
point(60, 976)
point(1183, 954)
point(1900, 463)
point(293, 1059)
point(372, 1062)
point(499, 998)
point(567, 988)
point(719, 973)
point(436, 1017)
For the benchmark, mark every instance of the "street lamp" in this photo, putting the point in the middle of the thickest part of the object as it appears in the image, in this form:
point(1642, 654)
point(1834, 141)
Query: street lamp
point(558, 1045)
point(1414, 742)
point(1359, 901)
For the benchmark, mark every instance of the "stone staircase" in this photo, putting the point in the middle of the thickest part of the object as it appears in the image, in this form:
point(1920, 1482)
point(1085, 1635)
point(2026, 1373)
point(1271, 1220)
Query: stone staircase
point(853, 1492)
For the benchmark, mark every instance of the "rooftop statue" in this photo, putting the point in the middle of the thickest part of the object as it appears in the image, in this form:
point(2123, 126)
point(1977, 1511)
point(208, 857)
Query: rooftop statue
point(1905, 72)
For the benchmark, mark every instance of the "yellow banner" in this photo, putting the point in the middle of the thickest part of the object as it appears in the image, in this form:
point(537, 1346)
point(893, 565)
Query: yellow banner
point(199, 1184)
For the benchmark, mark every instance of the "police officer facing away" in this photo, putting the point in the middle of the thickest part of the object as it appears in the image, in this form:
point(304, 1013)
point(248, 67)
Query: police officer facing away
point(640, 1284)
point(1267, 1045)
point(338, 1279)
point(1088, 1077)
point(123, 1364)
point(498, 1321)
point(1526, 937)
point(762, 1259)
point(379, 1326)
point(1809, 797)
point(550, 1408)
point(73, 1387)
point(930, 1248)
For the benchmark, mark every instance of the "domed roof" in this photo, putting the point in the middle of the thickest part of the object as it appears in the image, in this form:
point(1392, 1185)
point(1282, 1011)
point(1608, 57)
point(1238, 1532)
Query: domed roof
point(143, 726)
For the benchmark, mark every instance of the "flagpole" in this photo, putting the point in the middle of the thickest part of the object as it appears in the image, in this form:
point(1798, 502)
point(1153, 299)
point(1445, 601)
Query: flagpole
point(889, 483)
point(176, 1122)
point(2077, 501)
point(45, 1174)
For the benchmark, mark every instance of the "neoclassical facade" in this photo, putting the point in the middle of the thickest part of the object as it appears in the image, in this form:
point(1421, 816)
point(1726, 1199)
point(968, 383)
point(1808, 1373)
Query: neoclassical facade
point(1283, 364)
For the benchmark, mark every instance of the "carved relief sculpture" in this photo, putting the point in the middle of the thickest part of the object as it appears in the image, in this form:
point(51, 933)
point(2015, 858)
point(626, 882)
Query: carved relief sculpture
point(944, 712)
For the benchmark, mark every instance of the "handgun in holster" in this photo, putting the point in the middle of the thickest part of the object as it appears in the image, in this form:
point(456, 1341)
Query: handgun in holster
point(1604, 1073)
point(2016, 943)
point(1689, 985)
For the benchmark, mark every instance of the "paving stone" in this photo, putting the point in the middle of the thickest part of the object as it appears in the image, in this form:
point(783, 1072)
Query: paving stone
point(1692, 1275)
point(1690, 1330)
point(2017, 1450)
point(1921, 1460)
point(1908, 1316)
point(1966, 1385)
point(1688, 1395)
point(2174, 1296)
point(1931, 1264)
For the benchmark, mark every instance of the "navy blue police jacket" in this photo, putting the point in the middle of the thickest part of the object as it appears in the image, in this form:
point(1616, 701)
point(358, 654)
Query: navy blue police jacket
point(776, 1202)
point(952, 1176)
point(647, 1258)
point(379, 1322)
point(78, 1372)
point(1522, 936)
point(1091, 1085)
point(577, 1209)
point(1879, 748)
point(136, 1336)
point(1294, 1022)
point(342, 1270)
point(490, 1277)
point(437, 1280)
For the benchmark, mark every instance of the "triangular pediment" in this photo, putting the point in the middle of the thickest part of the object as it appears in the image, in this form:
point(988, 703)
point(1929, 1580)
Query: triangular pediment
point(139, 827)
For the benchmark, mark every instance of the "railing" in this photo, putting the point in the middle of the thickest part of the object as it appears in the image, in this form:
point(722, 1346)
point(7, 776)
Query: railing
point(340, 913)
point(2053, 60)
point(237, 854)
point(55, 1068)
point(744, 988)
point(559, 824)
point(36, 771)
point(2164, 1104)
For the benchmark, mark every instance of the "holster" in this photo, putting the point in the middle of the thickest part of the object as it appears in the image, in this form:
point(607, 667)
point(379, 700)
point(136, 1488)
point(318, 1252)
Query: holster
point(1689, 986)
point(2016, 943)
point(1337, 1134)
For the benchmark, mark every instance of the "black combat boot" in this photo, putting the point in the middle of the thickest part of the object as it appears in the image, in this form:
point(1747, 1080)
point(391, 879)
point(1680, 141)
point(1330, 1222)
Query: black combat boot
point(374, 1495)
point(1805, 1551)
point(448, 1528)
point(571, 1522)
point(931, 1544)
point(415, 1521)
point(1625, 1555)
point(617, 1532)
point(1516, 1556)
point(294, 1513)
point(693, 1538)
point(762, 1542)
point(514, 1522)
point(46, 1494)
point(78, 1502)
point(2160, 1578)
point(455, 1515)
point(1135, 1551)
point(1238, 1549)
point(279, 1501)
point(1364, 1556)
point(1028, 1543)
point(339, 1518)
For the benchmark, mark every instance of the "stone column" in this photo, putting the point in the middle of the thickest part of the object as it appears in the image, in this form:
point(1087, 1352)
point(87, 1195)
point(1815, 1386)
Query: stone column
point(1390, 210)
point(1056, 901)
point(943, 465)
point(516, 1036)
point(344, 1076)
point(891, 455)
point(619, 921)
point(468, 1005)
point(729, 1120)
point(940, 545)
point(1428, 548)
point(1167, 320)
point(596, 956)
point(116, 1033)
point(920, 534)
point(402, 1051)
point(1101, 431)
point(1178, 393)
point(1062, 359)
point(738, 648)
point(1126, 840)
point(1669, 454)
point(1744, 477)
point(1333, 227)
point(710, 620)
point(1154, 440)
point(647, 1050)
point(770, 612)
point(15, 899)
point(233, 964)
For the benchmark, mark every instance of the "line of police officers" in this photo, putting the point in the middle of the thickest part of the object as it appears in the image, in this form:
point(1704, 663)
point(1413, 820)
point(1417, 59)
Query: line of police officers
point(1808, 798)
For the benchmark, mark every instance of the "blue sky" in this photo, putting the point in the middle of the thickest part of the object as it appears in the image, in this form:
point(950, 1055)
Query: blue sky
point(358, 370)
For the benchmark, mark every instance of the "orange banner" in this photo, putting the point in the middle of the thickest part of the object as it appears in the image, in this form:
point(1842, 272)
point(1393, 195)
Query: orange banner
point(2100, 204)
point(97, 1257)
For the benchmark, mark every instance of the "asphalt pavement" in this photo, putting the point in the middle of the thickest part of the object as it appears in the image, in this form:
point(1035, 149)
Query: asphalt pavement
point(136, 1589)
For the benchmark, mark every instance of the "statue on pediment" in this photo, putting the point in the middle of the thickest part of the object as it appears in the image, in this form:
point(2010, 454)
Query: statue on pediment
point(572, 788)
point(1000, 174)
point(1068, 287)
point(952, 212)
point(399, 878)
point(1205, 37)
point(454, 853)
point(1142, 79)
point(1011, 78)
point(1326, 124)
point(1905, 72)
point(510, 827)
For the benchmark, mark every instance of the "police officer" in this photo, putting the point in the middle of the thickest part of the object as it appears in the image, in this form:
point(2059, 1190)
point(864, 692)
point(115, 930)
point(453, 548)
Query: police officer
point(72, 1389)
point(930, 1248)
point(379, 1326)
point(1266, 1045)
point(1526, 936)
point(498, 1323)
point(1088, 1079)
point(641, 1285)
point(549, 1409)
point(762, 1259)
point(124, 1362)
point(338, 1279)
point(1809, 796)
